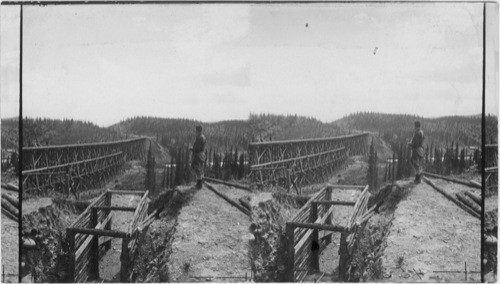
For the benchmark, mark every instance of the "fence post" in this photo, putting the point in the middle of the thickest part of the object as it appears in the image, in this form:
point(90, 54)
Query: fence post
point(107, 202)
point(70, 236)
point(290, 260)
point(315, 238)
point(125, 259)
point(343, 257)
point(328, 197)
point(94, 250)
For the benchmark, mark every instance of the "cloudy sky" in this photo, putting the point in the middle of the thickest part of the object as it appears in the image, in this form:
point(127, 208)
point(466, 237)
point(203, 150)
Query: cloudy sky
point(104, 63)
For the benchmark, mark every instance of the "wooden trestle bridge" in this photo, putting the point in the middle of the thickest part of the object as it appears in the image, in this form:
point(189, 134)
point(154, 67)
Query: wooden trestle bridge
point(296, 163)
point(78, 166)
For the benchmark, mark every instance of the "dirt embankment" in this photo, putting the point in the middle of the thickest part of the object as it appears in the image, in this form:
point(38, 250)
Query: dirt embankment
point(47, 227)
point(431, 236)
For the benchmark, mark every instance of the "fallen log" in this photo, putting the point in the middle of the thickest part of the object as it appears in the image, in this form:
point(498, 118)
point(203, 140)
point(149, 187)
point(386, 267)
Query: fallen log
point(11, 199)
point(9, 207)
point(469, 202)
point(451, 198)
point(245, 203)
point(228, 183)
point(478, 185)
point(474, 197)
point(232, 202)
point(10, 215)
point(464, 182)
point(10, 186)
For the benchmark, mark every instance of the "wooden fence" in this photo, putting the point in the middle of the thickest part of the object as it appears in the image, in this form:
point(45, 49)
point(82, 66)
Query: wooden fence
point(91, 233)
point(78, 167)
point(296, 163)
point(304, 244)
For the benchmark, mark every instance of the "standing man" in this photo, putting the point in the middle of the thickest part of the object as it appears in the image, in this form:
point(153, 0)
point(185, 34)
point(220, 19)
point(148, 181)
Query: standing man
point(198, 163)
point(417, 153)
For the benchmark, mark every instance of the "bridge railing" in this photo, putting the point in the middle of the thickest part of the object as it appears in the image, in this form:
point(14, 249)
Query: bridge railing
point(295, 163)
point(90, 234)
point(41, 157)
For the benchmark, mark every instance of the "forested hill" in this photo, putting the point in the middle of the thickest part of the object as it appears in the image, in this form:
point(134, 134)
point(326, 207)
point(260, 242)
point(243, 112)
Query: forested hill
point(231, 133)
point(44, 131)
point(228, 134)
point(175, 132)
point(10, 133)
point(465, 130)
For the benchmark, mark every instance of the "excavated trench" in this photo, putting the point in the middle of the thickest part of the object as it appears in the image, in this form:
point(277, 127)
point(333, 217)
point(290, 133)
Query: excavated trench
point(46, 251)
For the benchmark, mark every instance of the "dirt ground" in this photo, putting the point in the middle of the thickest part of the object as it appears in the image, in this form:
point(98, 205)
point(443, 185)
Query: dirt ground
point(10, 241)
point(429, 234)
point(211, 239)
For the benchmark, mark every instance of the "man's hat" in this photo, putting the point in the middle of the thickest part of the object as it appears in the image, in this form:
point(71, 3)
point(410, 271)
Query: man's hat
point(417, 123)
point(198, 128)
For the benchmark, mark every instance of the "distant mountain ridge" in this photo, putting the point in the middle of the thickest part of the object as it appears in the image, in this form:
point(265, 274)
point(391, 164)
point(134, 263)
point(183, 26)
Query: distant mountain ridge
point(174, 132)
point(465, 130)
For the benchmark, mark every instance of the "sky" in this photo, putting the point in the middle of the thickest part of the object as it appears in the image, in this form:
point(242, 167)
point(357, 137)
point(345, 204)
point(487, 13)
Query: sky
point(212, 62)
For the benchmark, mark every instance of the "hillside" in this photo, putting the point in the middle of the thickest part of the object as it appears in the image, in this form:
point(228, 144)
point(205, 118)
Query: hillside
point(173, 132)
point(10, 133)
point(442, 131)
point(44, 131)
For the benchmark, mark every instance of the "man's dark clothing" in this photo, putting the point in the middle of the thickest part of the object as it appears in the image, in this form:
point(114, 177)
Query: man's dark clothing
point(417, 153)
point(199, 158)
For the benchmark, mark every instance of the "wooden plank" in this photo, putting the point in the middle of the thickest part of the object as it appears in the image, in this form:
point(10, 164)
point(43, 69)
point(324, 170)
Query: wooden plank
point(126, 192)
point(9, 207)
point(491, 170)
point(27, 172)
point(94, 244)
point(125, 259)
point(96, 232)
point(70, 236)
point(228, 183)
point(469, 202)
point(86, 212)
point(258, 166)
point(10, 215)
point(268, 143)
point(229, 200)
point(290, 262)
point(464, 182)
point(14, 201)
point(115, 208)
point(315, 237)
point(474, 197)
point(347, 186)
point(334, 202)
point(451, 198)
point(308, 203)
point(88, 239)
point(98, 144)
point(318, 222)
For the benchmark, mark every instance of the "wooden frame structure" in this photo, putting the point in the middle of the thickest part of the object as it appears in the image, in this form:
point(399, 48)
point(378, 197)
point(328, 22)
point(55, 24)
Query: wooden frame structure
point(80, 166)
point(304, 244)
point(491, 169)
point(93, 227)
point(302, 162)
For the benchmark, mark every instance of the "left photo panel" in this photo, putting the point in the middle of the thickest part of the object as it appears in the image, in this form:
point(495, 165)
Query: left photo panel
point(10, 113)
